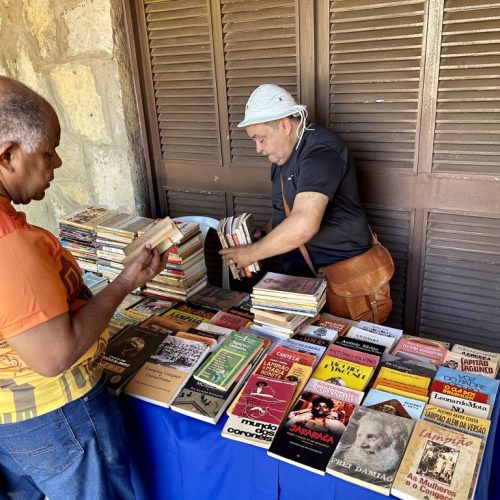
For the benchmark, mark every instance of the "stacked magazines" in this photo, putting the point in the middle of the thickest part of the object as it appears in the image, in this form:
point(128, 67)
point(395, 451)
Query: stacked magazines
point(289, 294)
point(235, 231)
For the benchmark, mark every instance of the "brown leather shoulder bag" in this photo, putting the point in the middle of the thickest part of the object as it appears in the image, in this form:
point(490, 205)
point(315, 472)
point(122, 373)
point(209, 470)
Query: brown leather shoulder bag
point(358, 287)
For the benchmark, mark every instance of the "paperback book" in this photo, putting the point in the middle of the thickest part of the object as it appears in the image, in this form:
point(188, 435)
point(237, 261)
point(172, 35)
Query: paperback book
point(361, 345)
point(476, 353)
point(439, 463)
point(470, 381)
point(354, 356)
point(321, 332)
point(458, 421)
point(218, 298)
point(161, 235)
point(340, 325)
point(371, 449)
point(161, 378)
point(473, 408)
point(344, 373)
point(259, 410)
point(229, 360)
point(420, 349)
point(387, 331)
point(375, 338)
point(314, 426)
point(311, 340)
point(463, 363)
point(205, 402)
point(228, 320)
point(126, 353)
point(394, 404)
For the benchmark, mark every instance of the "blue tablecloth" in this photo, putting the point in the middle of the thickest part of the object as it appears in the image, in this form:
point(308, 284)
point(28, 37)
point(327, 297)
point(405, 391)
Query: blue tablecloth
point(175, 457)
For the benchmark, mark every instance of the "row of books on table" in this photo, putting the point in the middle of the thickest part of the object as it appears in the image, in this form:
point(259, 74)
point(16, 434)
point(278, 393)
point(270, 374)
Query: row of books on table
point(395, 413)
point(102, 241)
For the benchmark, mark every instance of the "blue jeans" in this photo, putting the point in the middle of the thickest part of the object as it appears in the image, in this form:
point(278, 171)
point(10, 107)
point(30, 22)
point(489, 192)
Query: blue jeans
point(76, 452)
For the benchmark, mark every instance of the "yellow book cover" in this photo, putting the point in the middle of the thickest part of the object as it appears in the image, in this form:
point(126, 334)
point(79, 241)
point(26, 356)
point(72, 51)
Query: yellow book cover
point(438, 463)
point(405, 378)
point(192, 319)
point(344, 373)
point(466, 423)
point(395, 388)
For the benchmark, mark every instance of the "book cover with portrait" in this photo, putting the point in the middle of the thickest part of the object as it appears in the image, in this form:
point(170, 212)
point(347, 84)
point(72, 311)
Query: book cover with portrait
point(371, 449)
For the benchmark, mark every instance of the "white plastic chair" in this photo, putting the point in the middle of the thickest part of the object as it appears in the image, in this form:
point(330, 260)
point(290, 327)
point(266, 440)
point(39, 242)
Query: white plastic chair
point(205, 224)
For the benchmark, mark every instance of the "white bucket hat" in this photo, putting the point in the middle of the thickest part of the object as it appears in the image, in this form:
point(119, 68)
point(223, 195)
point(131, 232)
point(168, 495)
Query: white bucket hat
point(270, 102)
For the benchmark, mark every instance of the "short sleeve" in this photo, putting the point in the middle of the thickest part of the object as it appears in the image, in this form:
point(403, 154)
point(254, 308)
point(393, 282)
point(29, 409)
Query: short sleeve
point(31, 289)
point(321, 170)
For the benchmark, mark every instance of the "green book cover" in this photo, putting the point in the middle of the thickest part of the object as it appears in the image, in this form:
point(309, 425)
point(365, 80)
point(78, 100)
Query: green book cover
point(227, 362)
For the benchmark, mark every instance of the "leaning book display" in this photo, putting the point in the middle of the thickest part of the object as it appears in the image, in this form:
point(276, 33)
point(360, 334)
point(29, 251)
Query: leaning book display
point(371, 449)
point(439, 463)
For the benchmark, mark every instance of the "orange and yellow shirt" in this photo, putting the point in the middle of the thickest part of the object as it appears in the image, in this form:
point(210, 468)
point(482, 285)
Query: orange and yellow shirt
point(39, 280)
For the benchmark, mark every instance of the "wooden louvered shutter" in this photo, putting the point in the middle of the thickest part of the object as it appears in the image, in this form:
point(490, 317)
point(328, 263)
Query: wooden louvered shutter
point(179, 36)
point(468, 98)
point(260, 46)
point(375, 53)
point(461, 290)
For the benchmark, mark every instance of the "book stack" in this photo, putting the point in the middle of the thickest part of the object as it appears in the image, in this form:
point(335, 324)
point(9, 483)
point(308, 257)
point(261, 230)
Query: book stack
point(464, 392)
point(113, 234)
point(288, 294)
point(94, 282)
point(234, 231)
point(185, 273)
point(278, 323)
point(409, 379)
point(77, 233)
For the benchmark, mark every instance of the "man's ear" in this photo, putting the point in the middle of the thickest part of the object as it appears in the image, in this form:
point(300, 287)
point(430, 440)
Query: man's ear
point(286, 125)
point(6, 155)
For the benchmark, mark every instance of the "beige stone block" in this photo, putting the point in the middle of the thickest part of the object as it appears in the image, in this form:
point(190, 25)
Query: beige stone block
point(40, 16)
point(27, 73)
point(75, 87)
point(111, 172)
point(73, 159)
point(89, 28)
point(71, 194)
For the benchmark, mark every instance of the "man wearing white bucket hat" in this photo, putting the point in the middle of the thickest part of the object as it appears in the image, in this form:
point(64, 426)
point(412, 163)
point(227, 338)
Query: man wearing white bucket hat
point(313, 170)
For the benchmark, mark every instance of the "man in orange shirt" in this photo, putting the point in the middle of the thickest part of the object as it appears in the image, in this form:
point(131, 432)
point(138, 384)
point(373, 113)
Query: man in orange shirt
point(61, 434)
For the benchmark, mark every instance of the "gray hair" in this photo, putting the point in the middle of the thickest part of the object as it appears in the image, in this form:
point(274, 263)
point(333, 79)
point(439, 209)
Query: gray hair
point(23, 120)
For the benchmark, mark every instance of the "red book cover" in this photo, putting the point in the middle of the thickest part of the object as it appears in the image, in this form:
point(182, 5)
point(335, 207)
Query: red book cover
point(264, 399)
point(459, 392)
point(283, 353)
point(421, 351)
point(362, 358)
point(229, 320)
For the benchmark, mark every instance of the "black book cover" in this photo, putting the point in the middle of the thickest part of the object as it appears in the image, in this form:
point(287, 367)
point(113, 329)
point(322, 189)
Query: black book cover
point(127, 353)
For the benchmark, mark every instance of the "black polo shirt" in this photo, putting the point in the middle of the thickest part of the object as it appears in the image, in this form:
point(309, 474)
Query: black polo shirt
point(323, 164)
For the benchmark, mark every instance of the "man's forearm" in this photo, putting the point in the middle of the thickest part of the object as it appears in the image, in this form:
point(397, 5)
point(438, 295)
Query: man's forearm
point(290, 234)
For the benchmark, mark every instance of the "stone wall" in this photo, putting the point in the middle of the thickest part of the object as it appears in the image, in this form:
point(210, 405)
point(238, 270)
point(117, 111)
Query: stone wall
point(73, 52)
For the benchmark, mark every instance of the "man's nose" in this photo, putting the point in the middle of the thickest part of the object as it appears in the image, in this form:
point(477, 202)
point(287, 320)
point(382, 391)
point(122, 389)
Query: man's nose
point(259, 147)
